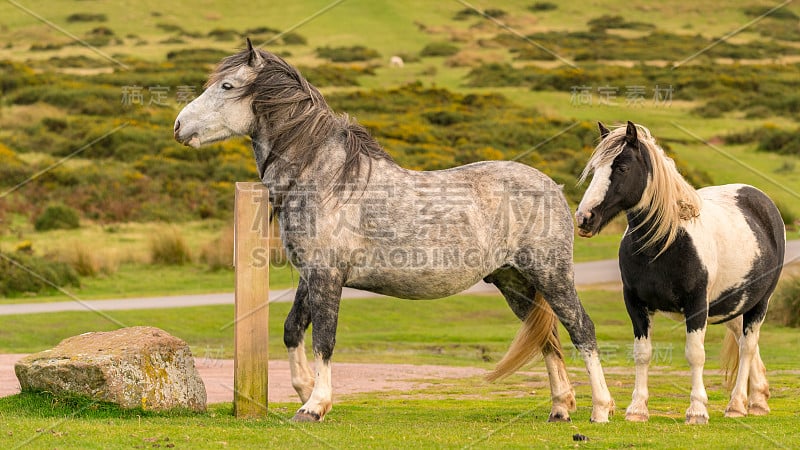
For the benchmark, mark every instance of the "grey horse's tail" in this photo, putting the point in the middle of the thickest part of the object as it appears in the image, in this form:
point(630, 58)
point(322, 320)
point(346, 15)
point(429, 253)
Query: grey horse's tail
point(538, 333)
point(729, 359)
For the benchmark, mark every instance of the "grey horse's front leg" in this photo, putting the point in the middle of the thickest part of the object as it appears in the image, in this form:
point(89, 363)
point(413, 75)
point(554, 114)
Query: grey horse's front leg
point(294, 330)
point(324, 295)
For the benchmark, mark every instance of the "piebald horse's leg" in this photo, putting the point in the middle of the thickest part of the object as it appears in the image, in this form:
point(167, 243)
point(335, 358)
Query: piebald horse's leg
point(696, 356)
point(293, 337)
point(759, 387)
point(642, 352)
point(324, 296)
point(750, 373)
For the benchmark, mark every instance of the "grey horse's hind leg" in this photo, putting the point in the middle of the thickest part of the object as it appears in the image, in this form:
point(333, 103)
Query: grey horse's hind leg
point(294, 330)
point(324, 295)
point(519, 294)
point(553, 277)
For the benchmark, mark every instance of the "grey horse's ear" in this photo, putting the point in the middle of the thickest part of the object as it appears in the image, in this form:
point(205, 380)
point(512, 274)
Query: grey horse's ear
point(630, 134)
point(603, 130)
point(254, 59)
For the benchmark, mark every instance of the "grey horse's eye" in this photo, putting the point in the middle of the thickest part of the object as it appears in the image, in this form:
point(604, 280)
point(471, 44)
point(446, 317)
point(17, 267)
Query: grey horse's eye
point(227, 86)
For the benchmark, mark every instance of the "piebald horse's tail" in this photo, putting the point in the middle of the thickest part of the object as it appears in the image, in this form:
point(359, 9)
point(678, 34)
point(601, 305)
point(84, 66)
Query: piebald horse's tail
point(538, 333)
point(729, 359)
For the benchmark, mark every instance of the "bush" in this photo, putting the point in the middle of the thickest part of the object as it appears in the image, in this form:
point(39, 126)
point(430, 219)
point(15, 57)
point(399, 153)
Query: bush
point(784, 306)
point(197, 55)
point(347, 54)
point(333, 75)
point(465, 14)
point(779, 14)
point(293, 38)
point(86, 17)
point(168, 247)
point(22, 273)
point(223, 34)
point(439, 49)
point(543, 6)
point(57, 217)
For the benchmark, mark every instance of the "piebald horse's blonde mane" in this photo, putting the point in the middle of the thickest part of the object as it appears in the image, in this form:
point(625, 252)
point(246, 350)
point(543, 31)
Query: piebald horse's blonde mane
point(668, 199)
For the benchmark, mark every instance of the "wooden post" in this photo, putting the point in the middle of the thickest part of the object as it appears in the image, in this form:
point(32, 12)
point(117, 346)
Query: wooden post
point(251, 331)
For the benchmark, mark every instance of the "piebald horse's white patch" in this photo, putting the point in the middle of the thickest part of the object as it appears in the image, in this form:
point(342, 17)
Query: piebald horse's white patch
point(596, 192)
point(724, 241)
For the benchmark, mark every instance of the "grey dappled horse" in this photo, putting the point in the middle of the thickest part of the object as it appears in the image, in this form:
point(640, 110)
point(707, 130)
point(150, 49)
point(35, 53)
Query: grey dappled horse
point(711, 255)
point(350, 216)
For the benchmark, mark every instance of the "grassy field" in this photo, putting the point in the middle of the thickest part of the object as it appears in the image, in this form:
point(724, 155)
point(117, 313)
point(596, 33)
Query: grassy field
point(443, 417)
point(464, 330)
point(461, 330)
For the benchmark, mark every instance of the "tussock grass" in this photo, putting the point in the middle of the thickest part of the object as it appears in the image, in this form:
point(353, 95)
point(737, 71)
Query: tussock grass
point(169, 247)
point(218, 254)
point(90, 261)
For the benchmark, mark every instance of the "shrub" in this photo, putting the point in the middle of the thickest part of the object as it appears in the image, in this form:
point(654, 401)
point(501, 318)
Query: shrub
point(542, 6)
point(784, 306)
point(197, 55)
point(87, 17)
point(261, 30)
point(57, 217)
point(332, 75)
point(347, 54)
point(223, 34)
point(465, 14)
point(439, 49)
point(779, 14)
point(293, 38)
point(22, 273)
point(169, 247)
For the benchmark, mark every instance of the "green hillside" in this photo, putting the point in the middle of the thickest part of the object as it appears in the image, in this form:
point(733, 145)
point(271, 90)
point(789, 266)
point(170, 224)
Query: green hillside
point(90, 92)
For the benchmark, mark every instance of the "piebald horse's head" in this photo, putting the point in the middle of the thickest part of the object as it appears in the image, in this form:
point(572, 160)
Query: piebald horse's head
point(224, 109)
point(621, 169)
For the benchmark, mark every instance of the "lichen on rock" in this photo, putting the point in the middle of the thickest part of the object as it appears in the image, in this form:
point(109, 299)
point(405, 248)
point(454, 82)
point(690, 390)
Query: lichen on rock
point(136, 367)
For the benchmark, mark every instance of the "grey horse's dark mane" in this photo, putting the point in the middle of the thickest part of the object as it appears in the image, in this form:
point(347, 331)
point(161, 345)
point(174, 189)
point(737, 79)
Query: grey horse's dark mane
point(299, 121)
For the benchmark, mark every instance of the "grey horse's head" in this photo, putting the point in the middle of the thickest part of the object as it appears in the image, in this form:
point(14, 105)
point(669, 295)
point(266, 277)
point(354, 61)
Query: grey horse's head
point(224, 109)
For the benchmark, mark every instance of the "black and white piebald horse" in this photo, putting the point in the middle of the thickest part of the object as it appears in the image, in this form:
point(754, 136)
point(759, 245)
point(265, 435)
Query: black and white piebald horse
point(713, 255)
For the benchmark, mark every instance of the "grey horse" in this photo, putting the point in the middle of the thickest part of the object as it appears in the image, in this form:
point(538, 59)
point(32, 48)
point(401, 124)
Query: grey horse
point(350, 216)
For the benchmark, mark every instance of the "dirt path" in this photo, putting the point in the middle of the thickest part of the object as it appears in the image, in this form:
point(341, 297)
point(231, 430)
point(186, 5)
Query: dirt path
point(348, 378)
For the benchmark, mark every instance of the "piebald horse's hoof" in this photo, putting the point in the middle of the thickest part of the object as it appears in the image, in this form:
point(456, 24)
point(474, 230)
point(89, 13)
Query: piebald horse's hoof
point(696, 420)
point(305, 416)
point(754, 410)
point(734, 414)
point(557, 417)
point(637, 417)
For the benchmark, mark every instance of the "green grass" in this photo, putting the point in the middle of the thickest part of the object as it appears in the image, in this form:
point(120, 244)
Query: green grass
point(385, 421)
point(462, 330)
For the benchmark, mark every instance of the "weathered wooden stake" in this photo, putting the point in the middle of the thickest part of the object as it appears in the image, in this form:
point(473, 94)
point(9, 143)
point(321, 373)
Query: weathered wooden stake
point(251, 332)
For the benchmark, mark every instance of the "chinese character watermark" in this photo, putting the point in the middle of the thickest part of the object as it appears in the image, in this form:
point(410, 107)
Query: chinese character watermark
point(635, 95)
